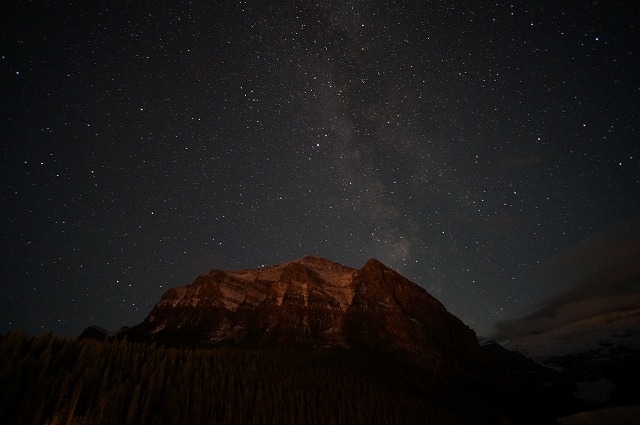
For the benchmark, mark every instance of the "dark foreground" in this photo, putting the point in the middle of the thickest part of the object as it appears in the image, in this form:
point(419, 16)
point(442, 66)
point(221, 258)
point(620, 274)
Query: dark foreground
point(51, 380)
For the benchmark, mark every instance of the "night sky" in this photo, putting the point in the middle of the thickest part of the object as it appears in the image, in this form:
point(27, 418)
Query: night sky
point(488, 151)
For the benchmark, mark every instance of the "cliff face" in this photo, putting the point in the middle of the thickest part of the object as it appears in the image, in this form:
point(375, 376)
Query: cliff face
point(309, 302)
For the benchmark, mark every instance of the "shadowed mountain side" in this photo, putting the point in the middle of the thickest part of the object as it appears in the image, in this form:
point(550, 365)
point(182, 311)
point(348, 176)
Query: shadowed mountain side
point(552, 388)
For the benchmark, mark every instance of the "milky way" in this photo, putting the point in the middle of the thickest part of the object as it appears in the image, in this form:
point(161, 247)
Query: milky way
point(468, 146)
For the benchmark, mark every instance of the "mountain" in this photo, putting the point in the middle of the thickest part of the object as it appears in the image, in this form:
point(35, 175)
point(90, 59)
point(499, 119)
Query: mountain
point(368, 316)
point(311, 302)
point(599, 353)
point(553, 388)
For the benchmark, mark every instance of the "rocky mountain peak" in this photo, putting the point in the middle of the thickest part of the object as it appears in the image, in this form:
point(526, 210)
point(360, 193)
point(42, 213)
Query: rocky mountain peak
point(312, 302)
point(374, 264)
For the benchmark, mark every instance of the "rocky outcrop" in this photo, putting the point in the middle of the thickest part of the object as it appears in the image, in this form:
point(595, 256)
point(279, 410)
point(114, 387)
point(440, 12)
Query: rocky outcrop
point(101, 334)
point(96, 332)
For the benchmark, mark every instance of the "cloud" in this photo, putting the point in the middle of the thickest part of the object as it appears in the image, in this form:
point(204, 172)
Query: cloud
point(606, 272)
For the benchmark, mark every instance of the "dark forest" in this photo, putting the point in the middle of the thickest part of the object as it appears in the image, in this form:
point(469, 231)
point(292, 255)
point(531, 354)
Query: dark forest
point(52, 380)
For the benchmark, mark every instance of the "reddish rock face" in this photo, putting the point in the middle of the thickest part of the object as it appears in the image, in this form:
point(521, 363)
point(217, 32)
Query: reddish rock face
point(310, 302)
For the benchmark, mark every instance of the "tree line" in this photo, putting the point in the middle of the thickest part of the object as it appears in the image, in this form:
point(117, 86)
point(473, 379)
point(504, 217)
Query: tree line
point(52, 380)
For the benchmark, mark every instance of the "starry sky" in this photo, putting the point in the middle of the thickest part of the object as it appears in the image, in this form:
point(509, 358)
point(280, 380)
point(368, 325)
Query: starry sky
point(488, 151)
